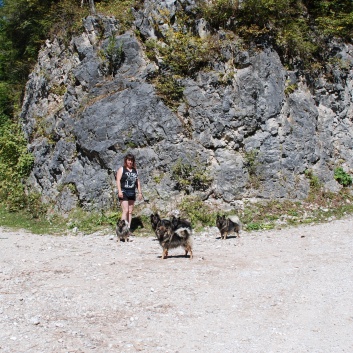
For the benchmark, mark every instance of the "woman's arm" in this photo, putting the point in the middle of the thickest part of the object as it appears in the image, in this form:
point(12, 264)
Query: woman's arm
point(138, 184)
point(118, 184)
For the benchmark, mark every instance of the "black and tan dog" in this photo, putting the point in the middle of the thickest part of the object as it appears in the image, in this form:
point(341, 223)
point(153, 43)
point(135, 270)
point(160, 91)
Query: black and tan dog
point(172, 234)
point(228, 225)
point(155, 220)
point(122, 230)
point(182, 227)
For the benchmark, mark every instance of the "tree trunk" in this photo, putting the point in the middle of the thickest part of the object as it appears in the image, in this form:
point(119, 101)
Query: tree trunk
point(92, 8)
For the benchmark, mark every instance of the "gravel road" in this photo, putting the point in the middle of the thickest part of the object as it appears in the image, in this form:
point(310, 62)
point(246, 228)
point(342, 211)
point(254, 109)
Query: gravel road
point(279, 291)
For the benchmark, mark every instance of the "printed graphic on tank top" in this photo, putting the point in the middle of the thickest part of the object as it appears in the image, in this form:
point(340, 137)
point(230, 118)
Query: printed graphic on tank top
point(128, 179)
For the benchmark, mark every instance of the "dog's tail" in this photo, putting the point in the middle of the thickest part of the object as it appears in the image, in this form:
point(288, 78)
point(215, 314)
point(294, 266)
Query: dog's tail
point(183, 232)
point(235, 219)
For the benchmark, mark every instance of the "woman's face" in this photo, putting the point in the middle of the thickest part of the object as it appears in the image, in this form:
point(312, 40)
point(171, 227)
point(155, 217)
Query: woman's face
point(129, 163)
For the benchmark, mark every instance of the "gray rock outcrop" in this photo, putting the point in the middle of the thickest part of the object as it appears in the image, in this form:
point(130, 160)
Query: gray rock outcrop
point(254, 134)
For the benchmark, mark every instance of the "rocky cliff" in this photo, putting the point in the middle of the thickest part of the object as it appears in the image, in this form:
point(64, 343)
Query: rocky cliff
point(254, 134)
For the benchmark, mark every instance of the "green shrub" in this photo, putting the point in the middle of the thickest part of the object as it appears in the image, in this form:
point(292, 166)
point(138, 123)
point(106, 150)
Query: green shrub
point(295, 41)
point(15, 166)
point(314, 180)
point(113, 56)
point(342, 177)
point(190, 178)
point(89, 222)
point(5, 102)
point(199, 214)
point(251, 161)
point(120, 9)
point(290, 88)
point(169, 89)
point(218, 12)
point(182, 52)
point(333, 17)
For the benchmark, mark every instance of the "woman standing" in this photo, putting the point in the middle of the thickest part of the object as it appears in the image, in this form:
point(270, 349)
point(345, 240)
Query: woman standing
point(127, 182)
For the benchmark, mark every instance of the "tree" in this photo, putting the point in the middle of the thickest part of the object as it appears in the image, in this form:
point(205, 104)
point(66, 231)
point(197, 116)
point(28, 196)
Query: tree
point(92, 8)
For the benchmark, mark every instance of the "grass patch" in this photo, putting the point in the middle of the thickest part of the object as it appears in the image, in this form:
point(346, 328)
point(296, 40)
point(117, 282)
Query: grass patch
point(90, 222)
point(24, 220)
point(264, 215)
point(318, 208)
point(197, 212)
point(78, 221)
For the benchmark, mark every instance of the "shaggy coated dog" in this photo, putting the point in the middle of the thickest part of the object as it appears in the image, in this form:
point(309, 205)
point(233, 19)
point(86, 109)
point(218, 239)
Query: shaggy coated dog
point(122, 230)
point(182, 227)
point(172, 234)
point(228, 225)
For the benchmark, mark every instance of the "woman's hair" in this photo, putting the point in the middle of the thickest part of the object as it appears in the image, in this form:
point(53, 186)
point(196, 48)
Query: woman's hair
point(132, 157)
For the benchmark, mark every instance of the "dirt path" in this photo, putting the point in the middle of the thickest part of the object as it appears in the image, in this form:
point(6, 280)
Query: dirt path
point(274, 291)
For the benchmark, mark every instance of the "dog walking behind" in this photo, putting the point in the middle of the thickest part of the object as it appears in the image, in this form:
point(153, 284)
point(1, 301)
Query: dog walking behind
point(172, 234)
point(228, 225)
point(122, 230)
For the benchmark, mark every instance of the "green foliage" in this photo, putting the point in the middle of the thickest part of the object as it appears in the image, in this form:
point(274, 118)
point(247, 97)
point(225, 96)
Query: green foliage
point(297, 28)
point(169, 89)
point(49, 222)
point(199, 214)
point(120, 9)
point(268, 12)
point(184, 53)
point(65, 19)
point(295, 40)
point(15, 165)
point(218, 13)
point(290, 88)
point(23, 26)
point(6, 102)
point(113, 56)
point(342, 177)
point(89, 222)
point(190, 178)
point(25, 220)
point(58, 90)
point(314, 181)
point(333, 17)
point(251, 161)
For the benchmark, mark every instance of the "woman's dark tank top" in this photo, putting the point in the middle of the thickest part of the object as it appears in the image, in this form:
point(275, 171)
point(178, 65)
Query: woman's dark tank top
point(128, 179)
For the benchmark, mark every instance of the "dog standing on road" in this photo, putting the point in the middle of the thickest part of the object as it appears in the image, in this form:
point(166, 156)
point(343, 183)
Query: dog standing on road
point(182, 227)
point(228, 225)
point(122, 230)
point(172, 234)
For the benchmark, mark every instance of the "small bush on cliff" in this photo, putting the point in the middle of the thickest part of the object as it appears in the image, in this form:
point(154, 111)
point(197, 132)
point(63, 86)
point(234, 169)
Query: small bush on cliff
point(183, 53)
point(333, 17)
point(219, 13)
point(113, 57)
point(120, 9)
point(190, 178)
point(342, 177)
point(314, 180)
point(15, 165)
point(297, 28)
point(199, 214)
point(169, 89)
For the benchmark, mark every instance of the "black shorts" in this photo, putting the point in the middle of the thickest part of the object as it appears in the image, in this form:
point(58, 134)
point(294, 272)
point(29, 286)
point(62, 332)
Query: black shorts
point(128, 196)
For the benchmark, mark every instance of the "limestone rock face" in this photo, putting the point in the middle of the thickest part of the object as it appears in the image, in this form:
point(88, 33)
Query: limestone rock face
point(251, 135)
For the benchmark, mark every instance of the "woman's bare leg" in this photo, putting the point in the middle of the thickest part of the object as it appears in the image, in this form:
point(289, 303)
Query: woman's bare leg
point(125, 210)
point(130, 209)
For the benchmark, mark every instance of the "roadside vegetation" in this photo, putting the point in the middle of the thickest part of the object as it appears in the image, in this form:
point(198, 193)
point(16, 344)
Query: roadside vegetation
point(320, 207)
point(300, 30)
